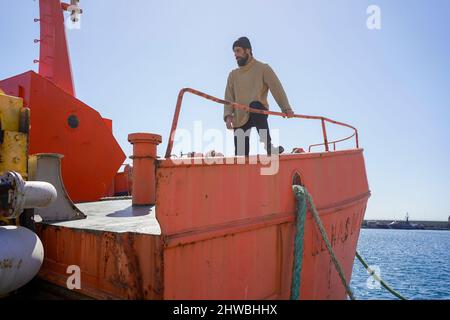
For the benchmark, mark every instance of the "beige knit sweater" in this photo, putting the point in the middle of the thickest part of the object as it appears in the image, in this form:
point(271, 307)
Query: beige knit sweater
point(251, 83)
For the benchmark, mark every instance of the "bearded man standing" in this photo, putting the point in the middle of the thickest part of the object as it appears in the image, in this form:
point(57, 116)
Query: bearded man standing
point(249, 85)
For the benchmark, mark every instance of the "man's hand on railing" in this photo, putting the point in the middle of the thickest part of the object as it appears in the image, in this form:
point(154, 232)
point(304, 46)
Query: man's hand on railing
point(229, 122)
point(289, 114)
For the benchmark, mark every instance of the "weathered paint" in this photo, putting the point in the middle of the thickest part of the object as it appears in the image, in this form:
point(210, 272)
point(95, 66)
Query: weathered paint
point(113, 265)
point(21, 256)
point(227, 232)
point(14, 144)
point(232, 228)
point(117, 248)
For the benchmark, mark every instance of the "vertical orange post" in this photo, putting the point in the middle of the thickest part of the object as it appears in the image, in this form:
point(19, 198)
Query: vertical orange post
point(325, 139)
point(144, 156)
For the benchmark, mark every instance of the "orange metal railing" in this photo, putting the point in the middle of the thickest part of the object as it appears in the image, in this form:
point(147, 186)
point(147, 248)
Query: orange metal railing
point(323, 120)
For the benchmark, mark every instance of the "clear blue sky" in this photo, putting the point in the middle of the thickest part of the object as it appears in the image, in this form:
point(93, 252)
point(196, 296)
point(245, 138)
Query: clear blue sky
point(130, 58)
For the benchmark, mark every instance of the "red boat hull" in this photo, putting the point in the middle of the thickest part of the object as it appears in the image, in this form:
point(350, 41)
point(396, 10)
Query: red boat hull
point(227, 232)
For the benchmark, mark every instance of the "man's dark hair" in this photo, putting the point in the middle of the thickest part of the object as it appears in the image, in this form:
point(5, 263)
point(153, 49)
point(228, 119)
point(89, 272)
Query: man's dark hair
point(244, 43)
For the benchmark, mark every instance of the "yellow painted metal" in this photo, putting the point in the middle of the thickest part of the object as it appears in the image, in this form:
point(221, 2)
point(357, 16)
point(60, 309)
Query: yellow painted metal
point(10, 112)
point(13, 153)
point(13, 144)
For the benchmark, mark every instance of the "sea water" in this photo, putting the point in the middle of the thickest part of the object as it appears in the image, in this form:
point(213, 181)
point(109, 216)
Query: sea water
point(415, 263)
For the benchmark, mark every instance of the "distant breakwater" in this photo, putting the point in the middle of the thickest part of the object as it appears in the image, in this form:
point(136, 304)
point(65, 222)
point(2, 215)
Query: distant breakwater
point(399, 224)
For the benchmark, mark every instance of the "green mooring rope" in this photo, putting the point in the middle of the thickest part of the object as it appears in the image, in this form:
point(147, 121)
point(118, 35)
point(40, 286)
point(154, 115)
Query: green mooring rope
point(303, 198)
point(377, 278)
point(298, 243)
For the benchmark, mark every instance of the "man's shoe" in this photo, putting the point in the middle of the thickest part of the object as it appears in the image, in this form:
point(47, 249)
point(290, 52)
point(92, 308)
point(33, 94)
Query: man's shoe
point(275, 150)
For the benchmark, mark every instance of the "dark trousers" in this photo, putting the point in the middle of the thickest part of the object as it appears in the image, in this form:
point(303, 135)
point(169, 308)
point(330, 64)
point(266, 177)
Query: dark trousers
point(242, 134)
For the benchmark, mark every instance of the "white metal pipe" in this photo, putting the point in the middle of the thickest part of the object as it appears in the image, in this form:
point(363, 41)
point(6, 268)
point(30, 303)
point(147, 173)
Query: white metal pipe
point(26, 194)
point(21, 257)
point(39, 194)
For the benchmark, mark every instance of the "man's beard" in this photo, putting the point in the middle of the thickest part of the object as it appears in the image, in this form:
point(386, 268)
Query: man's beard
point(243, 61)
